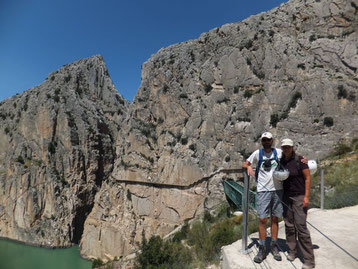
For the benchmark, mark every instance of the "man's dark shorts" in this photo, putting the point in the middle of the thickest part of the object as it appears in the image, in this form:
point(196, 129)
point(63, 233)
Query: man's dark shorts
point(269, 203)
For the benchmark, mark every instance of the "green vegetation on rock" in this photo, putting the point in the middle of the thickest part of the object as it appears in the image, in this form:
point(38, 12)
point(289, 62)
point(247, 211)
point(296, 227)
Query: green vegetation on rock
point(196, 245)
point(340, 178)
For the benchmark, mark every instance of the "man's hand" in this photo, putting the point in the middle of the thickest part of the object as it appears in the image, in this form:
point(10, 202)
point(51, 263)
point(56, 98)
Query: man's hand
point(250, 171)
point(304, 160)
point(306, 201)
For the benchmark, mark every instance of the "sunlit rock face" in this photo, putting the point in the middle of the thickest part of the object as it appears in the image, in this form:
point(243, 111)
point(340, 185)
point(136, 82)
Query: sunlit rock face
point(99, 170)
point(56, 148)
point(203, 104)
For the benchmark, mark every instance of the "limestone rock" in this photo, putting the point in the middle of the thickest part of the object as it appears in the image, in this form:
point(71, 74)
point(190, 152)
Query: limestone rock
point(204, 103)
point(56, 149)
point(80, 163)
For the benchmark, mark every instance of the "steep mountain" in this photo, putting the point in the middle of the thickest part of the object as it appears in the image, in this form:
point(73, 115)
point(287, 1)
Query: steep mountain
point(56, 148)
point(78, 148)
point(203, 104)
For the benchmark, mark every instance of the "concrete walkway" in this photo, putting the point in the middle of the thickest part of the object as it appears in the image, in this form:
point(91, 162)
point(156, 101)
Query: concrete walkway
point(340, 225)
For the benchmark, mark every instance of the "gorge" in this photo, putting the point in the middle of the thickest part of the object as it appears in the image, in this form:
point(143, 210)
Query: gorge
point(80, 164)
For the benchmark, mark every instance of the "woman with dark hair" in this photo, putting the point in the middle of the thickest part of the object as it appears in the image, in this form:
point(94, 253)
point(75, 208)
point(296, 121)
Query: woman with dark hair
point(296, 191)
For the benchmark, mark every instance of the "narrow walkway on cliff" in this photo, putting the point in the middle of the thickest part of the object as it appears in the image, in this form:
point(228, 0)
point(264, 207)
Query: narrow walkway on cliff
point(339, 225)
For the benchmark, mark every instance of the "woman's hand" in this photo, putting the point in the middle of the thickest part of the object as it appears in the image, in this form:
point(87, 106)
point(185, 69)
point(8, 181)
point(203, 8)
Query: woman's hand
point(306, 201)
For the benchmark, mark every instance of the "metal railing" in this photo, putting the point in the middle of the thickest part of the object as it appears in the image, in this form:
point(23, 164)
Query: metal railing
point(243, 198)
point(244, 248)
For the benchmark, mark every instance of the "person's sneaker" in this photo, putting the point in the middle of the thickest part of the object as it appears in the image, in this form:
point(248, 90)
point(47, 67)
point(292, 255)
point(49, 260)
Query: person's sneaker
point(275, 252)
point(307, 266)
point(261, 255)
point(291, 257)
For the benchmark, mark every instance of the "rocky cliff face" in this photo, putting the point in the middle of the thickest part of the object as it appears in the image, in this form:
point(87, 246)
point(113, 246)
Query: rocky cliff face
point(56, 148)
point(201, 107)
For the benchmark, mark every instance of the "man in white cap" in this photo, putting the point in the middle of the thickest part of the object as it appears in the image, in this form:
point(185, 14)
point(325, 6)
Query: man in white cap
point(269, 193)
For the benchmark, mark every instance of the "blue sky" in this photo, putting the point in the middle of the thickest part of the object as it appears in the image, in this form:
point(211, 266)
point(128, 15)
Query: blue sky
point(37, 37)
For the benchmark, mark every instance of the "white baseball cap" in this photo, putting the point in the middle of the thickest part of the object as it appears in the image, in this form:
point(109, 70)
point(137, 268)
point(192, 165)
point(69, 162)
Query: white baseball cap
point(287, 142)
point(266, 135)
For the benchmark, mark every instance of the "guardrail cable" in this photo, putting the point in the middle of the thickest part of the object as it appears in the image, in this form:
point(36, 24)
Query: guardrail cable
point(336, 244)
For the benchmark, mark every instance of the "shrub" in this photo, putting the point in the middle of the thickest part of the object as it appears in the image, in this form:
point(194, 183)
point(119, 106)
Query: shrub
point(145, 132)
point(274, 120)
point(294, 100)
point(184, 141)
point(52, 147)
point(97, 263)
point(20, 159)
point(79, 90)
point(182, 234)
point(56, 98)
point(157, 253)
point(199, 239)
point(222, 234)
point(341, 149)
point(342, 198)
point(302, 66)
point(248, 44)
point(208, 88)
point(260, 74)
point(312, 38)
point(340, 177)
point(37, 162)
point(165, 88)
point(129, 195)
point(284, 115)
point(183, 95)
point(354, 143)
point(192, 147)
point(208, 217)
point(67, 78)
point(247, 93)
point(261, 89)
point(192, 56)
point(328, 121)
point(246, 119)
point(342, 92)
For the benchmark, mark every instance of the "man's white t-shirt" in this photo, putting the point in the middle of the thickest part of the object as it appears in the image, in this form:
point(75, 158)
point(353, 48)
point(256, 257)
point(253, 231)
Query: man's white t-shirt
point(265, 181)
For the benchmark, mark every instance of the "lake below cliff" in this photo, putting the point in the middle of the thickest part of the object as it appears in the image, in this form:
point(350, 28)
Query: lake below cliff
point(14, 255)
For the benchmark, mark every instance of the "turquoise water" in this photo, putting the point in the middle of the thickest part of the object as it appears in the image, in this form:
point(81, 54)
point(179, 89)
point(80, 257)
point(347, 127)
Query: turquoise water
point(18, 256)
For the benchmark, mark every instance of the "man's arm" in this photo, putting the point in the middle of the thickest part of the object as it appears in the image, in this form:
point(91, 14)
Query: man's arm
point(250, 170)
point(307, 175)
